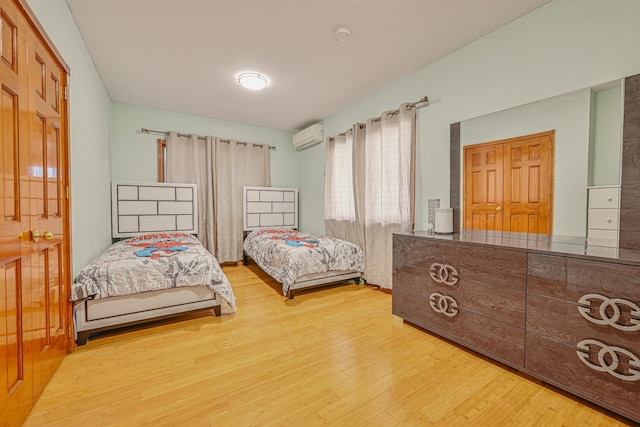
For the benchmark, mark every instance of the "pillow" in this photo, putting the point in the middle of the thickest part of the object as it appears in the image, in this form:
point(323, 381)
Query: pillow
point(159, 237)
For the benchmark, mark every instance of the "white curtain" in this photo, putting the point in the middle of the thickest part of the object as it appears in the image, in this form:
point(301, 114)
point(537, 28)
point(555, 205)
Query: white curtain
point(237, 164)
point(340, 179)
point(190, 159)
point(389, 154)
point(382, 182)
point(220, 168)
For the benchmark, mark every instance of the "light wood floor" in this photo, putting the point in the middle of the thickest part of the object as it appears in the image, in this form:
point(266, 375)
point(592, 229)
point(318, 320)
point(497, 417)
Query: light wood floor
point(332, 356)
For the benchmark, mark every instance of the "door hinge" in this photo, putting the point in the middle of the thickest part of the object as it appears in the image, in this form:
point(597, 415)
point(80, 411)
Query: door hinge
point(67, 191)
point(66, 93)
point(68, 330)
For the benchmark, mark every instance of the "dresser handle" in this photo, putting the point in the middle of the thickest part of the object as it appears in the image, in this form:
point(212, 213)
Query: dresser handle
point(613, 361)
point(443, 304)
point(608, 220)
point(609, 199)
point(444, 273)
point(611, 317)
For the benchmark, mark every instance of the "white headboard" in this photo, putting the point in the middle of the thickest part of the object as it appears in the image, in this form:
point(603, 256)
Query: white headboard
point(269, 207)
point(148, 207)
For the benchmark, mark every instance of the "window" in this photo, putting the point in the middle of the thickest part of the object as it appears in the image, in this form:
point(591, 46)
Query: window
point(162, 159)
point(339, 194)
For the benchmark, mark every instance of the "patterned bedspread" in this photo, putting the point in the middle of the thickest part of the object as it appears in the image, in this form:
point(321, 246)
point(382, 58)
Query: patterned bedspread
point(288, 254)
point(149, 263)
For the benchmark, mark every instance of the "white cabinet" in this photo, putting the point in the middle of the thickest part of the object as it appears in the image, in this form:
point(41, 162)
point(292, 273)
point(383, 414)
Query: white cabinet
point(604, 215)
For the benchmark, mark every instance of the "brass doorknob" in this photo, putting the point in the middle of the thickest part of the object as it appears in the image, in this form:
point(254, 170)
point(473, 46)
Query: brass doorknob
point(37, 235)
point(498, 208)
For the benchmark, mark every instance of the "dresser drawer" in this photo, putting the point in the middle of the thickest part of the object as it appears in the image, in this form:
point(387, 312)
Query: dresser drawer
point(607, 197)
point(471, 262)
point(602, 237)
point(603, 219)
point(560, 364)
point(497, 302)
point(490, 337)
point(571, 323)
point(571, 278)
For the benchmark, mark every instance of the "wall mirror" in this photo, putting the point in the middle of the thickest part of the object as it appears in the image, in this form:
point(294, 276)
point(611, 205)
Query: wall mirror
point(587, 125)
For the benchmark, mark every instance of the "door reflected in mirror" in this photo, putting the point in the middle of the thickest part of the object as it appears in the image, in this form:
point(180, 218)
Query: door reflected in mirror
point(586, 128)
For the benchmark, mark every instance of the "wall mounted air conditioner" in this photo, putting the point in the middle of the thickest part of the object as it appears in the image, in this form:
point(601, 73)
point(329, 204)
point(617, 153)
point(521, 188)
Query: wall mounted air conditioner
point(308, 137)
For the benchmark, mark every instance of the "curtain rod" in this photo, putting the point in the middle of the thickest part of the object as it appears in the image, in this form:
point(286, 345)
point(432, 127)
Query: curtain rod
point(424, 101)
point(166, 133)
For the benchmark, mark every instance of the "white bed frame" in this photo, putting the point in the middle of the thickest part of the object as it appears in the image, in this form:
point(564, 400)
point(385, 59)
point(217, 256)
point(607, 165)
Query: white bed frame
point(140, 208)
point(273, 207)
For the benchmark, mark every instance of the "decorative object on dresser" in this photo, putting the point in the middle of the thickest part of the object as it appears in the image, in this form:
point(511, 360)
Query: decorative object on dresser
point(534, 302)
point(433, 204)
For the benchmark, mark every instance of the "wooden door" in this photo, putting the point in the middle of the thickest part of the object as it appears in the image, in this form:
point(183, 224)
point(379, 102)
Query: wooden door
point(49, 292)
point(508, 184)
point(528, 184)
point(483, 178)
point(34, 275)
point(16, 377)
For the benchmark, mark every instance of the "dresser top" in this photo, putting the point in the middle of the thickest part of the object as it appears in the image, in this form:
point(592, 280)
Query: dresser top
point(531, 242)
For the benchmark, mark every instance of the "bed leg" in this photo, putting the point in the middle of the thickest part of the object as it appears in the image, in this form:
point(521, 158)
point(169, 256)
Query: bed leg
point(217, 310)
point(245, 259)
point(290, 296)
point(83, 337)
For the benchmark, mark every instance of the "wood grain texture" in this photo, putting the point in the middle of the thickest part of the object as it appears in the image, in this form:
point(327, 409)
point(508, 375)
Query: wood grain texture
point(570, 279)
point(633, 227)
point(454, 173)
point(561, 321)
point(332, 356)
point(488, 336)
point(478, 263)
point(34, 172)
point(568, 370)
point(630, 182)
point(497, 302)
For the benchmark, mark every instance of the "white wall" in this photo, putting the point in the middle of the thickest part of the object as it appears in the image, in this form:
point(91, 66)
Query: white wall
point(89, 119)
point(563, 46)
point(134, 155)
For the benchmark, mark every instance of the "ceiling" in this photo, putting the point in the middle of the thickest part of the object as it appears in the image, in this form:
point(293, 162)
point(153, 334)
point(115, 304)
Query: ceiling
point(184, 55)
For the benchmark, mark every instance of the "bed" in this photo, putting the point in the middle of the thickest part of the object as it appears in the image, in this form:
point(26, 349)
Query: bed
point(156, 267)
point(296, 260)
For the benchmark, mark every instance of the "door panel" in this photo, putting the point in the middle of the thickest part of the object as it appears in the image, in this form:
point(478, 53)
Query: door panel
point(45, 151)
point(16, 396)
point(528, 194)
point(508, 184)
point(484, 170)
point(33, 173)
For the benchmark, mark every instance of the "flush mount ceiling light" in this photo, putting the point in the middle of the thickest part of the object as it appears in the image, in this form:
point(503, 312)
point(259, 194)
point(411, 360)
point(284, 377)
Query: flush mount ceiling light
point(253, 81)
point(341, 34)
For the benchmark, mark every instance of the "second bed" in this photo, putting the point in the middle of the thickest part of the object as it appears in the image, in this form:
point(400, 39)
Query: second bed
point(295, 259)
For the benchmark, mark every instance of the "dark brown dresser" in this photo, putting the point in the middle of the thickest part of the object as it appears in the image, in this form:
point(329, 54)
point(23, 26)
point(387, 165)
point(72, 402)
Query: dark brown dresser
point(549, 306)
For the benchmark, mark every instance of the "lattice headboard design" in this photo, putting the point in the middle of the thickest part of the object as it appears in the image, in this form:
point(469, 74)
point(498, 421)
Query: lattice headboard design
point(269, 207)
point(147, 207)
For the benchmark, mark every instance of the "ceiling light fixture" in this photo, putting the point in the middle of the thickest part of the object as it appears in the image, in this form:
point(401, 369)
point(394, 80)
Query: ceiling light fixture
point(341, 34)
point(253, 81)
